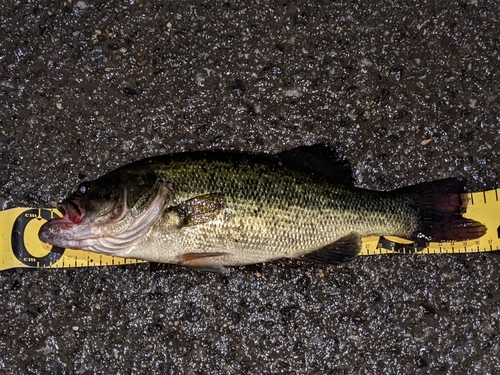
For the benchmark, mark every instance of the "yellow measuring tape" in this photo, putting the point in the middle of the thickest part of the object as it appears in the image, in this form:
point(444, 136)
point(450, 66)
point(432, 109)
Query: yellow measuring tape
point(20, 246)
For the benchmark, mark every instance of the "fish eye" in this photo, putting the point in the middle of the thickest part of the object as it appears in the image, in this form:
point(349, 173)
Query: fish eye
point(83, 188)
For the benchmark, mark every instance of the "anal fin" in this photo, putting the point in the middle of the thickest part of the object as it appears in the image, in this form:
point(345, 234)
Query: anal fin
point(203, 261)
point(342, 250)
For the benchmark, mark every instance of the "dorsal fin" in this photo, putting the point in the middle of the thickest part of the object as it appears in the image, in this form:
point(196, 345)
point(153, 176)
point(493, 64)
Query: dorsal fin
point(320, 159)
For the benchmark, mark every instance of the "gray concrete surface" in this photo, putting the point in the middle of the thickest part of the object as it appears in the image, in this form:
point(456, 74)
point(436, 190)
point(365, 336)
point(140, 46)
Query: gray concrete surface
point(86, 86)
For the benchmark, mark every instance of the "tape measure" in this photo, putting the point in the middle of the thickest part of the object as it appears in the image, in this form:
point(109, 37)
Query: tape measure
point(20, 246)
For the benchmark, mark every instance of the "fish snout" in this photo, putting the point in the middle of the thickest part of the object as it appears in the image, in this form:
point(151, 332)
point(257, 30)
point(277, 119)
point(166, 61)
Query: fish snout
point(51, 232)
point(58, 230)
point(43, 233)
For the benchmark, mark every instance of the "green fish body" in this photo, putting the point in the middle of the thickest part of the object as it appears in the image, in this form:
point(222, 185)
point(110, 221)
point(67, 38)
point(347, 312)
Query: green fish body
point(215, 209)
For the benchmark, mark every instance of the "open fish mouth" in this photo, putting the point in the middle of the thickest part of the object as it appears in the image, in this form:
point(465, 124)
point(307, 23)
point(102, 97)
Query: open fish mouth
point(121, 231)
point(72, 211)
point(58, 231)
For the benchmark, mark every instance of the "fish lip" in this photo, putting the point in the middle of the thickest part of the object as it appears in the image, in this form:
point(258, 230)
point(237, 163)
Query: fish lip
point(60, 232)
point(70, 230)
point(56, 231)
point(53, 231)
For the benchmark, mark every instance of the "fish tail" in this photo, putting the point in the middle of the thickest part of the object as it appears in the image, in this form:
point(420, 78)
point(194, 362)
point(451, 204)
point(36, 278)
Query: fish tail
point(441, 205)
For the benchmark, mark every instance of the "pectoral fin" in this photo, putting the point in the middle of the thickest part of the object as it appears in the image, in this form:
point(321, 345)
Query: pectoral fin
point(203, 261)
point(199, 209)
point(342, 250)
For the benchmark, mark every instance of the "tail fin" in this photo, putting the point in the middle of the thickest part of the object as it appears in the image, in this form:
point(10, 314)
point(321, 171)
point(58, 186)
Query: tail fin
point(442, 204)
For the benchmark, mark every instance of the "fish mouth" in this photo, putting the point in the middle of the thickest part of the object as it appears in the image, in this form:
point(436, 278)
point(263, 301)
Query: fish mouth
point(72, 211)
point(57, 231)
point(113, 235)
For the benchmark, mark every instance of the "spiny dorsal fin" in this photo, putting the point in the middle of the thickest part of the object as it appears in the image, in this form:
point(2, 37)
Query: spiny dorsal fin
point(320, 159)
point(342, 250)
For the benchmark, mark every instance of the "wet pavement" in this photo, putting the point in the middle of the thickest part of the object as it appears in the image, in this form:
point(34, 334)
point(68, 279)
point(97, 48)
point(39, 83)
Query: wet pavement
point(408, 91)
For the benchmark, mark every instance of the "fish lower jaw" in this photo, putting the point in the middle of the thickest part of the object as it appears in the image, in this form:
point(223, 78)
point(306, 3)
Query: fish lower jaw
point(88, 244)
point(74, 244)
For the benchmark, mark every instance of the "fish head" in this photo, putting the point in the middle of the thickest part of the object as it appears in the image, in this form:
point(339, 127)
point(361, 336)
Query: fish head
point(107, 215)
point(85, 213)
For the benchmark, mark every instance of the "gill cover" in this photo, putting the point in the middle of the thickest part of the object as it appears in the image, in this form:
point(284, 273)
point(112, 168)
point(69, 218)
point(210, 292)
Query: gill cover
point(106, 226)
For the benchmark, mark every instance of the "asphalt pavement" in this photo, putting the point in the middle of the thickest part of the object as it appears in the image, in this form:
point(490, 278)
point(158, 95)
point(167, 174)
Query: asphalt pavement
point(408, 91)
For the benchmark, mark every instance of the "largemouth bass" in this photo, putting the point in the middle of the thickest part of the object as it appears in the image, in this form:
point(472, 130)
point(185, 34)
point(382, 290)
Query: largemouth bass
point(214, 209)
